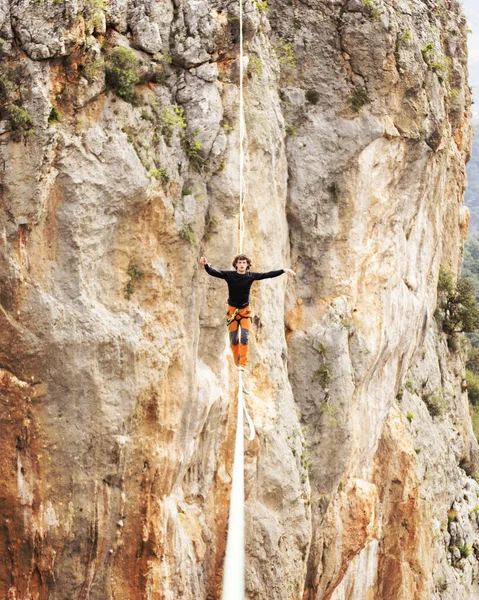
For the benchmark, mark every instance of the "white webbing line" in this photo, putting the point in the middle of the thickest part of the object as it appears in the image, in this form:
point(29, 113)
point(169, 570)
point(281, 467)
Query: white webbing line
point(242, 184)
point(233, 570)
point(242, 181)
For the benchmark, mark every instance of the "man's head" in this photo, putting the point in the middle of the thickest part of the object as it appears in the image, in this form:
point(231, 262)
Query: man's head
point(241, 263)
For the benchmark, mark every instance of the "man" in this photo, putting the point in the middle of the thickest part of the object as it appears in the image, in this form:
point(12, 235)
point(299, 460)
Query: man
point(239, 311)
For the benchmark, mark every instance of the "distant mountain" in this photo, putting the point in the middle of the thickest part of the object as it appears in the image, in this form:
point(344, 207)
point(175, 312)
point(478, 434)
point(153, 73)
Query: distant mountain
point(472, 193)
point(474, 82)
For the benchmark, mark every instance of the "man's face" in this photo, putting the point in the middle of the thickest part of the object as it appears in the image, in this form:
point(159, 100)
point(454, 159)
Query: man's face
point(241, 266)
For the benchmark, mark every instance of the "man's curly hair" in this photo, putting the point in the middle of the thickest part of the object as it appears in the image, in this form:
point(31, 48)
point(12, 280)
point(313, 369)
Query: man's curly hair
point(242, 257)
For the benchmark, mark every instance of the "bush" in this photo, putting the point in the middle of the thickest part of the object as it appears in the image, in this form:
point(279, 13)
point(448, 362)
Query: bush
point(192, 146)
point(121, 73)
point(134, 273)
point(161, 174)
point(436, 402)
point(409, 385)
point(451, 515)
point(286, 59)
point(465, 550)
point(54, 116)
point(323, 375)
point(456, 303)
point(171, 120)
point(255, 66)
point(472, 380)
point(19, 117)
point(210, 227)
point(188, 235)
point(359, 97)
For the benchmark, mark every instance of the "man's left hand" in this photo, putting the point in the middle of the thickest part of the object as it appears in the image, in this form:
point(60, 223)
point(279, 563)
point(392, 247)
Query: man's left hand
point(290, 272)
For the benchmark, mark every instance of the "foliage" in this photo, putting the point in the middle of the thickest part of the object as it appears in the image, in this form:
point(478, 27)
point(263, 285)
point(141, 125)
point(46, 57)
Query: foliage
point(374, 9)
point(262, 5)
point(473, 360)
point(192, 146)
point(291, 130)
point(210, 227)
point(472, 380)
point(92, 68)
point(456, 303)
point(122, 72)
point(287, 61)
point(255, 66)
point(19, 117)
point(330, 412)
point(323, 375)
point(161, 174)
point(470, 268)
point(409, 385)
point(465, 550)
point(410, 416)
point(188, 235)
point(436, 402)
point(451, 515)
point(472, 197)
point(134, 274)
point(94, 10)
point(171, 120)
point(166, 57)
point(474, 410)
point(359, 97)
point(429, 47)
point(54, 116)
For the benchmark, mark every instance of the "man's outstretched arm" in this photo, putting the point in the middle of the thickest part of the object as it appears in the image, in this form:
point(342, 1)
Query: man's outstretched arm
point(270, 274)
point(210, 270)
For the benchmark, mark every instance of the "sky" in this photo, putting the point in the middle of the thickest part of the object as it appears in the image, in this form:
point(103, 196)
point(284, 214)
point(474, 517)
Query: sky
point(472, 13)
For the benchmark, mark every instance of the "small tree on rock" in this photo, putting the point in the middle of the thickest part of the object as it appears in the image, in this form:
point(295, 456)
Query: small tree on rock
point(457, 304)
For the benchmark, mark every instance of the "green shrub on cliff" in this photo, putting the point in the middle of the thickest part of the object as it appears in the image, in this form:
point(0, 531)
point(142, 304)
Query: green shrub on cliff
point(457, 307)
point(121, 72)
point(359, 97)
point(134, 273)
point(19, 117)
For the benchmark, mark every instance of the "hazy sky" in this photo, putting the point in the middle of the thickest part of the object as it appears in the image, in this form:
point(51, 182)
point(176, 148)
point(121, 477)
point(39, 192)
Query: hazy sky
point(472, 12)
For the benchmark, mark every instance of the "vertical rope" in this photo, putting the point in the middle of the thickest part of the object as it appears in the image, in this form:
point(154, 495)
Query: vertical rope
point(242, 186)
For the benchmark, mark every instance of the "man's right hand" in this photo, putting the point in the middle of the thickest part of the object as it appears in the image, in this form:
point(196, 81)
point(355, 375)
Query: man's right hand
point(203, 260)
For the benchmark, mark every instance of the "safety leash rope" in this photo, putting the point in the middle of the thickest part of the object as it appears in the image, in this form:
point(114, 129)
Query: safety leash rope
point(233, 570)
point(242, 131)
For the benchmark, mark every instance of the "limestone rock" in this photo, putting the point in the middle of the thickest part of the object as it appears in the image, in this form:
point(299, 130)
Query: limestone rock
point(116, 384)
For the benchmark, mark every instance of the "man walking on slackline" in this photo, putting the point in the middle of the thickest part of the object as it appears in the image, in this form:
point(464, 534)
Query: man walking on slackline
point(239, 311)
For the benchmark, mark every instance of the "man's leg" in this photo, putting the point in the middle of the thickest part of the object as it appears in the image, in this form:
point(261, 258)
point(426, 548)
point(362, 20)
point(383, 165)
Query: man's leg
point(245, 325)
point(234, 334)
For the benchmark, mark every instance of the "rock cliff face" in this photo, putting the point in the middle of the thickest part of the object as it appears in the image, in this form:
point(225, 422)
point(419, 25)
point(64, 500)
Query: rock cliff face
point(119, 165)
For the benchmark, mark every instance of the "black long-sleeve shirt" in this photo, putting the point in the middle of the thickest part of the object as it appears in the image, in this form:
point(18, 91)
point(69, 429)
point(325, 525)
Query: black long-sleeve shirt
point(239, 285)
